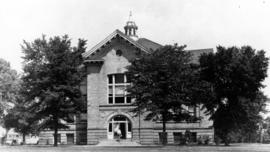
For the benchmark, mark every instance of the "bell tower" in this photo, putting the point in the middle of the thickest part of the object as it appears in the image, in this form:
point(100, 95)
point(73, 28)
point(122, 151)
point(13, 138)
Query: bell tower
point(131, 28)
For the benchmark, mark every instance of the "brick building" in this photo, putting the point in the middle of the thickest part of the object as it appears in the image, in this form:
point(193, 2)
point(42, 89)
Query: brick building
point(107, 104)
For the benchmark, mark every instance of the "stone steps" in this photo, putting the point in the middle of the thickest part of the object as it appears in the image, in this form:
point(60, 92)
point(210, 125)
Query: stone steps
point(122, 142)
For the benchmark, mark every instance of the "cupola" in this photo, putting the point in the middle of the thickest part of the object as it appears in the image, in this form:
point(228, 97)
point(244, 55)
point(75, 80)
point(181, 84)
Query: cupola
point(131, 28)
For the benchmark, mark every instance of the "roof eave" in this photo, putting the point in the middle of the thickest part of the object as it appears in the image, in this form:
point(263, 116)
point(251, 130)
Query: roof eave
point(109, 38)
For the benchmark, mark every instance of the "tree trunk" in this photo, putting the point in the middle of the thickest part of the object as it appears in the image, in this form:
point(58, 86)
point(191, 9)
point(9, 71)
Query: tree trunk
point(55, 130)
point(216, 138)
point(164, 133)
point(163, 126)
point(226, 140)
point(226, 143)
point(23, 138)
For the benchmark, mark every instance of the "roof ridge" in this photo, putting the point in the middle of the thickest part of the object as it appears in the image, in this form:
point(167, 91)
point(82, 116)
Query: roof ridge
point(200, 49)
point(108, 38)
point(149, 40)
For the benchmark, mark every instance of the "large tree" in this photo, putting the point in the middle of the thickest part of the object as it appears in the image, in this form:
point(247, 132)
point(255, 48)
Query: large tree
point(9, 80)
point(164, 84)
point(236, 76)
point(51, 80)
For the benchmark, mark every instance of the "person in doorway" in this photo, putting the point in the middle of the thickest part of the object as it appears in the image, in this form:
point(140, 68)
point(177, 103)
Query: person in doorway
point(118, 132)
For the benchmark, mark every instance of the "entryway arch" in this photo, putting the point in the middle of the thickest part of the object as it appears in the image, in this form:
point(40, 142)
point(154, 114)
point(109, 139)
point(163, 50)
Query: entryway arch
point(119, 123)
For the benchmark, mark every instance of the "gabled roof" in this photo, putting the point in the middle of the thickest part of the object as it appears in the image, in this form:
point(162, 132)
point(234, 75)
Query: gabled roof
point(109, 38)
point(198, 52)
point(150, 45)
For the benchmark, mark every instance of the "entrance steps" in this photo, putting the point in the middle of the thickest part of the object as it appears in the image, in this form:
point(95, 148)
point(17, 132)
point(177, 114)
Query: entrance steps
point(122, 142)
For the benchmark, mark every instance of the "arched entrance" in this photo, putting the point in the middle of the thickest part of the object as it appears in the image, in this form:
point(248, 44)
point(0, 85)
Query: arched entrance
point(119, 123)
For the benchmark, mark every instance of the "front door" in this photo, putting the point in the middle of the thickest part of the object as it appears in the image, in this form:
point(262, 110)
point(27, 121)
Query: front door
point(123, 130)
point(121, 124)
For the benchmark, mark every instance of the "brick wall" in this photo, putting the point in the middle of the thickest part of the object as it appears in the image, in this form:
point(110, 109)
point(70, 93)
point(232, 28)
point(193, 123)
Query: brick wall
point(99, 111)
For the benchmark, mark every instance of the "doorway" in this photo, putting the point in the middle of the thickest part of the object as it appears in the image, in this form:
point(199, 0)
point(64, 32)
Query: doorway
point(119, 124)
point(123, 130)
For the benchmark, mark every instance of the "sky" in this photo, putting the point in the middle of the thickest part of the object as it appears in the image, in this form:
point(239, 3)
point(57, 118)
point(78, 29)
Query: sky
point(196, 23)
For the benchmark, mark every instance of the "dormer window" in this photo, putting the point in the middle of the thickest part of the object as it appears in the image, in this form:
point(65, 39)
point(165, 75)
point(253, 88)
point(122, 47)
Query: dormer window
point(117, 84)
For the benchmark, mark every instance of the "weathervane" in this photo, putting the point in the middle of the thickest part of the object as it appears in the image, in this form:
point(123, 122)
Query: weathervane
point(130, 15)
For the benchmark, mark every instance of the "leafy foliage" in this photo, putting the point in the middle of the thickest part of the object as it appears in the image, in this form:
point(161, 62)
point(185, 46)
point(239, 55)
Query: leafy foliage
point(51, 79)
point(164, 84)
point(21, 120)
point(236, 76)
point(9, 80)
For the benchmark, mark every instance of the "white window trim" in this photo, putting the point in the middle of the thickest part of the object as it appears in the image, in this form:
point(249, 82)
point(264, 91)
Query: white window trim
point(113, 85)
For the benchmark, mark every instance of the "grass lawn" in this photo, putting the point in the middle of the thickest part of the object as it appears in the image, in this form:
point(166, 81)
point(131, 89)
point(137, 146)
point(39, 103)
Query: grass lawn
point(232, 148)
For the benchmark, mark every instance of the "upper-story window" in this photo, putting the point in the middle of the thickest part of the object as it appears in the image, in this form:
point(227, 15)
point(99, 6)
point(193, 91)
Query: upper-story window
point(119, 52)
point(117, 84)
point(192, 110)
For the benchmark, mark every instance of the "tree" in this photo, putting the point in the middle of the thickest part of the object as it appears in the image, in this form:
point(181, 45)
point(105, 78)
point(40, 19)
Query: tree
point(235, 76)
point(9, 80)
point(52, 75)
point(266, 126)
point(164, 84)
point(21, 120)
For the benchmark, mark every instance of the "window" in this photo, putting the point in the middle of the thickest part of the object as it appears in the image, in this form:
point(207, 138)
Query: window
point(192, 110)
point(119, 52)
point(163, 137)
point(70, 118)
point(129, 127)
point(117, 84)
point(193, 137)
point(70, 138)
point(177, 136)
point(110, 127)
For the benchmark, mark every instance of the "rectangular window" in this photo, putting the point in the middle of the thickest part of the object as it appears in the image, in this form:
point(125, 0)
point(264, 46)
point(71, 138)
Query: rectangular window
point(117, 85)
point(110, 90)
point(128, 78)
point(119, 78)
point(110, 100)
point(128, 99)
point(70, 118)
point(119, 99)
point(110, 127)
point(178, 137)
point(193, 137)
point(110, 79)
point(192, 110)
point(120, 90)
point(129, 127)
point(70, 138)
point(163, 137)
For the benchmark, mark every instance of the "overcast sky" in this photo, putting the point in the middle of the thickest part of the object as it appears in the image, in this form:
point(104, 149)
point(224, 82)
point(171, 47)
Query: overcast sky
point(196, 23)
